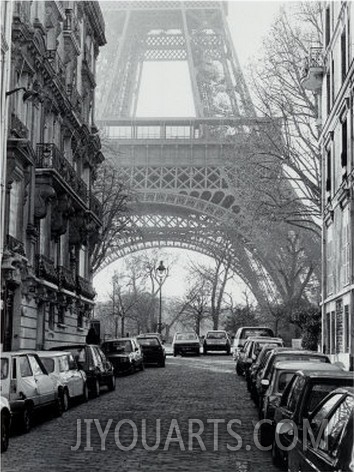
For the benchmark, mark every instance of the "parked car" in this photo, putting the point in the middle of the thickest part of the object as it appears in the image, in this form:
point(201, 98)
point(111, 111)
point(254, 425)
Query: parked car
point(216, 340)
point(301, 396)
point(255, 368)
point(5, 423)
point(247, 332)
point(152, 349)
point(281, 374)
point(90, 358)
point(62, 366)
point(125, 355)
point(248, 354)
point(333, 450)
point(27, 386)
point(186, 343)
point(284, 354)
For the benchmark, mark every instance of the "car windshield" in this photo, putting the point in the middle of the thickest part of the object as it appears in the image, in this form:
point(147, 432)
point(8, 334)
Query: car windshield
point(148, 341)
point(79, 353)
point(284, 379)
point(320, 391)
point(4, 368)
point(257, 332)
point(119, 346)
point(216, 335)
point(48, 364)
point(186, 337)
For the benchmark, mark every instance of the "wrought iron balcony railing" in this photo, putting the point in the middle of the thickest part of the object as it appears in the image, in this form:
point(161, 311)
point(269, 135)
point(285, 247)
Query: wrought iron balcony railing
point(49, 157)
point(45, 269)
point(96, 206)
point(18, 128)
point(57, 64)
point(84, 287)
point(14, 245)
point(66, 278)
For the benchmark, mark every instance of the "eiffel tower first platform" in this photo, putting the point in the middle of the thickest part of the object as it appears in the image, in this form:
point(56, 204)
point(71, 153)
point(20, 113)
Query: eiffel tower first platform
point(184, 171)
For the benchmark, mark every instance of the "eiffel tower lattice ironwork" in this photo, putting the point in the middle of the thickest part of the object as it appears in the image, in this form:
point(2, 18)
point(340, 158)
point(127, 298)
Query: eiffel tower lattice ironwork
point(179, 167)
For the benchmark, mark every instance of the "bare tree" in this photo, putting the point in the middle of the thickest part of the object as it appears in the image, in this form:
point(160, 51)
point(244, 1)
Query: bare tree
point(196, 305)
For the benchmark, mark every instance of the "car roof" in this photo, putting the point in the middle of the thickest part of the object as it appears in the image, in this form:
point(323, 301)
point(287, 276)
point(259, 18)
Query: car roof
point(349, 390)
point(149, 335)
point(69, 346)
point(53, 353)
point(296, 365)
point(117, 339)
point(264, 338)
point(216, 331)
point(17, 353)
point(330, 373)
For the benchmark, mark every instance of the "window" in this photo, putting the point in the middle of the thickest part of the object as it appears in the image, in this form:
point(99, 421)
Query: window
point(333, 332)
point(14, 209)
point(51, 316)
point(336, 425)
point(61, 314)
point(63, 364)
point(343, 49)
point(344, 155)
point(329, 262)
point(328, 92)
point(346, 329)
point(48, 364)
point(329, 171)
point(80, 319)
point(25, 367)
point(318, 393)
point(36, 368)
point(4, 368)
point(327, 26)
point(284, 379)
point(295, 394)
point(83, 261)
point(332, 83)
point(324, 411)
point(346, 249)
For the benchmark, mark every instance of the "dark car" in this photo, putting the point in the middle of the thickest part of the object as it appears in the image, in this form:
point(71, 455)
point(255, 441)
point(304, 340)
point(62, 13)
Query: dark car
point(301, 396)
point(186, 343)
point(248, 354)
point(216, 340)
point(90, 358)
point(261, 361)
point(153, 349)
point(281, 375)
point(125, 355)
point(331, 449)
point(284, 354)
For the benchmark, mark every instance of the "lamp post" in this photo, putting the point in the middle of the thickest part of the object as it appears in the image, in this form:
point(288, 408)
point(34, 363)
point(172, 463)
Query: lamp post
point(161, 274)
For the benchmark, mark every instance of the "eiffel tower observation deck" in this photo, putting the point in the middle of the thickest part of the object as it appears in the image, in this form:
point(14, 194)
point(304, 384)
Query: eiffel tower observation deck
point(185, 172)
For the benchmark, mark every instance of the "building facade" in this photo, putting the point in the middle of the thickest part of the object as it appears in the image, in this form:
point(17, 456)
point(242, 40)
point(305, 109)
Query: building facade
point(331, 73)
point(51, 217)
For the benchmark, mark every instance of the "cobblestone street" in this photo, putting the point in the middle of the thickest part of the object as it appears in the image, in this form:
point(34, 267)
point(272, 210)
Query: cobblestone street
point(188, 388)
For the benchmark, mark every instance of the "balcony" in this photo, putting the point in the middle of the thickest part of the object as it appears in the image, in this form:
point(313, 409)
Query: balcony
point(45, 269)
point(14, 245)
point(49, 157)
point(57, 65)
point(84, 287)
point(313, 70)
point(75, 99)
point(17, 128)
point(96, 207)
point(66, 278)
point(71, 29)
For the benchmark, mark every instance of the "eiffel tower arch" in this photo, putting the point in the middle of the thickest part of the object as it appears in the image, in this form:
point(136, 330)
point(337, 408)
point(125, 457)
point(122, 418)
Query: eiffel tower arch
point(179, 168)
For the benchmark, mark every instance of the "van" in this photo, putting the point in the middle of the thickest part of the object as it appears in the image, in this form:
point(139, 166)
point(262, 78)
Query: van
point(249, 332)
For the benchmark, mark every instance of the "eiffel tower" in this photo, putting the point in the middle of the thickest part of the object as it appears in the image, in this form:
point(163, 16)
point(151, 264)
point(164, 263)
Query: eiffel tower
point(177, 166)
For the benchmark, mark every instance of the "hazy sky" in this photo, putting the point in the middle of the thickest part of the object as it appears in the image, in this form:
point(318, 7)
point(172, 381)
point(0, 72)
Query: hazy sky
point(166, 91)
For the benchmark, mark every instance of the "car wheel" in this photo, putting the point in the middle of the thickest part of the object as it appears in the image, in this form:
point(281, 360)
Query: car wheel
point(85, 394)
point(277, 456)
point(205, 352)
point(96, 389)
point(26, 420)
point(197, 352)
point(174, 353)
point(238, 370)
point(163, 363)
point(112, 383)
point(5, 432)
point(65, 400)
point(59, 405)
point(142, 366)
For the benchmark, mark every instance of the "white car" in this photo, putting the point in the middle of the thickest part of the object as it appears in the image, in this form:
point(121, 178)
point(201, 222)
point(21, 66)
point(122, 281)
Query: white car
point(62, 367)
point(5, 423)
point(27, 386)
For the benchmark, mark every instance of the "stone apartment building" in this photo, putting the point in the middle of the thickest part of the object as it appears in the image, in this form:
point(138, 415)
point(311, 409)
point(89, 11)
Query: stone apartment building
point(51, 218)
point(331, 74)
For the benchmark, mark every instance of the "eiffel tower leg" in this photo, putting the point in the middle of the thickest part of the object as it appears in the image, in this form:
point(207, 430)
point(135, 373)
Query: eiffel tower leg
point(191, 66)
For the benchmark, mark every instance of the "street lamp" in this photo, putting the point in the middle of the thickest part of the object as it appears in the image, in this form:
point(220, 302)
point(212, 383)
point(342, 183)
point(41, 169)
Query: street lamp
point(160, 275)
